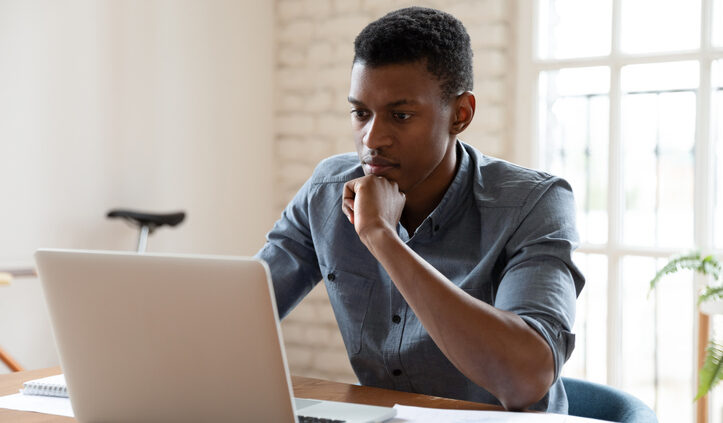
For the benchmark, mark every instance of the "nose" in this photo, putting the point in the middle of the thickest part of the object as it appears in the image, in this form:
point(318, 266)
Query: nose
point(376, 135)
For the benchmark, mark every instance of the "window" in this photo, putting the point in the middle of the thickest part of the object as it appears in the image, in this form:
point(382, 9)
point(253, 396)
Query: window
point(624, 99)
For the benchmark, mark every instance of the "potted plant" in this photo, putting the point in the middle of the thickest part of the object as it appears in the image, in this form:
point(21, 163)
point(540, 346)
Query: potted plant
point(712, 371)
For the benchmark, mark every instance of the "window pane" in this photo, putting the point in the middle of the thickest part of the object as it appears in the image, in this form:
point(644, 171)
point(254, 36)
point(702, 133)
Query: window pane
point(658, 134)
point(588, 360)
point(574, 28)
point(659, 25)
point(658, 338)
point(717, 134)
point(574, 140)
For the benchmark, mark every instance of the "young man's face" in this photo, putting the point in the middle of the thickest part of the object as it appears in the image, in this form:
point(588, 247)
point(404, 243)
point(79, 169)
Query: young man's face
point(401, 125)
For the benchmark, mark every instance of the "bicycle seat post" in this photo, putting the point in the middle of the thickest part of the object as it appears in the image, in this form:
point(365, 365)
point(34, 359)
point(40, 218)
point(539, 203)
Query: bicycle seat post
point(143, 238)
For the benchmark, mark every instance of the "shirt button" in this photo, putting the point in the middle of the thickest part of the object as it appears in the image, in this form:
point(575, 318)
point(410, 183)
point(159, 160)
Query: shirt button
point(330, 277)
point(436, 228)
point(396, 372)
point(396, 319)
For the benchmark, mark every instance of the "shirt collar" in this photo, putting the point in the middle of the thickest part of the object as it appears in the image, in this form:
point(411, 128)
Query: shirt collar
point(456, 193)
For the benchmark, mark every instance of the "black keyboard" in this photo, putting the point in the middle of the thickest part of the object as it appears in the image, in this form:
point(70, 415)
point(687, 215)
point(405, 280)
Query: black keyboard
point(306, 419)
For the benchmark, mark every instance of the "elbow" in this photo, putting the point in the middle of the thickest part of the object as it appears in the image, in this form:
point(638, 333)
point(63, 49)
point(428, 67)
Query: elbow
point(520, 401)
point(524, 392)
point(529, 380)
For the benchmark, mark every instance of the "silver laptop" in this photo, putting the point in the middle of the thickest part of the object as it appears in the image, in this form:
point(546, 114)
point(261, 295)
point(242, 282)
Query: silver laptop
point(170, 338)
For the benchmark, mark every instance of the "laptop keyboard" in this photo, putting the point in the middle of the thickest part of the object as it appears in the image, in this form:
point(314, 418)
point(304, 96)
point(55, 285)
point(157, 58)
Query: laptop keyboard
point(307, 419)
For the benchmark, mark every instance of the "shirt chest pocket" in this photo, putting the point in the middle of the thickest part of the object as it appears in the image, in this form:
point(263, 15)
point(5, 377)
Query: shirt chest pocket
point(349, 296)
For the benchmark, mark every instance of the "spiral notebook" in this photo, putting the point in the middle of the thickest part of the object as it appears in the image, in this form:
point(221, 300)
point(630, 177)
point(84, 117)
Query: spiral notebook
point(51, 386)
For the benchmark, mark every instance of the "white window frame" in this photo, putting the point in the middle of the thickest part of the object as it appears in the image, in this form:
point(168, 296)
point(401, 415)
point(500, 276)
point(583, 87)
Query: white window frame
point(526, 151)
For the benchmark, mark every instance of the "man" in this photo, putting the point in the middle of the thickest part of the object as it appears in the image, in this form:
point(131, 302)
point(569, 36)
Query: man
point(449, 272)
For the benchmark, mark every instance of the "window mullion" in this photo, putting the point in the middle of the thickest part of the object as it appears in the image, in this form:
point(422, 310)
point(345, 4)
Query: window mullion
point(615, 215)
point(704, 168)
point(628, 59)
point(704, 162)
point(615, 211)
point(706, 26)
point(704, 150)
point(615, 33)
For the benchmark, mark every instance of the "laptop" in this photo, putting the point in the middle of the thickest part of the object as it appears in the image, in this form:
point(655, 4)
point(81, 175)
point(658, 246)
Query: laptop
point(174, 338)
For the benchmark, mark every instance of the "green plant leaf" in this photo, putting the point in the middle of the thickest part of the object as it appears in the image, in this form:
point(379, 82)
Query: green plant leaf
point(711, 293)
point(691, 261)
point(712, 371)
point(709, 266)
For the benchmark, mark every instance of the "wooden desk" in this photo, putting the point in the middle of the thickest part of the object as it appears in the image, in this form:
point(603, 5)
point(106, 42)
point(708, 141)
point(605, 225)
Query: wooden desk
point(303, 387)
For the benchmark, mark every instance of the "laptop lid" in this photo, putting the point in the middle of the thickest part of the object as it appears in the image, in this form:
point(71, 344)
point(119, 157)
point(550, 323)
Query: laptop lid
point(166, 338)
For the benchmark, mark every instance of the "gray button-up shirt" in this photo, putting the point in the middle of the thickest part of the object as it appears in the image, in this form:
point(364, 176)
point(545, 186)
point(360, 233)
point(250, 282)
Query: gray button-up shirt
point(503, 233)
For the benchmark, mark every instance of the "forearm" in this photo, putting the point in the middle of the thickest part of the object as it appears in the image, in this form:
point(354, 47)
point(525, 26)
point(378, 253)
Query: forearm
point(495, 349)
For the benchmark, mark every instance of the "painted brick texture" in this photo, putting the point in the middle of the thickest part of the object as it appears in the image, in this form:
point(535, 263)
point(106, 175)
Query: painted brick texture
point(314, 49)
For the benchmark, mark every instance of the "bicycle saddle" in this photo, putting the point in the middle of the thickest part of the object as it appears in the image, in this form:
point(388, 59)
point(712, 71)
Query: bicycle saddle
point(152, 220)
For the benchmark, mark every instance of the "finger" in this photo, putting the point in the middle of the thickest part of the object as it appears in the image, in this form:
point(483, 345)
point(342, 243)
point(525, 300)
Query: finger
point(347, 200)
point(348, 204)
point(349, 216)
point(350, 189)
point(347, 207)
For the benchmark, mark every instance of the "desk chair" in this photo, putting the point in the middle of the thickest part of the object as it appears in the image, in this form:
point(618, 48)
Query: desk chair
point(587, 399)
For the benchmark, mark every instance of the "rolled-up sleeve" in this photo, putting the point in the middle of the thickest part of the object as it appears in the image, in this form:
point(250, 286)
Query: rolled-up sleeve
point(290, 254)
point(540, 282)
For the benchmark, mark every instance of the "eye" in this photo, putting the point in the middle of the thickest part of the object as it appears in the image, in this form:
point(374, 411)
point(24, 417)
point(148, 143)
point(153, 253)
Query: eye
point(359, 114)
point(401, 116)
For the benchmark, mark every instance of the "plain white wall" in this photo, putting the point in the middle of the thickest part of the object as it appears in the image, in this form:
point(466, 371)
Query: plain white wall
point(157, 105)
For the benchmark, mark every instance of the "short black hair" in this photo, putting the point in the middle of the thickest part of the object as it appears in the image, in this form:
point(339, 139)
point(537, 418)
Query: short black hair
point(420, 34)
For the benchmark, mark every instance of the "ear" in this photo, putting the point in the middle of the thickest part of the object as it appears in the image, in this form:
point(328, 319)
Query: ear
point(464, 106)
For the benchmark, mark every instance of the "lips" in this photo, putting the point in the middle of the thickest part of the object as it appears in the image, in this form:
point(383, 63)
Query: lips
point(378, 165)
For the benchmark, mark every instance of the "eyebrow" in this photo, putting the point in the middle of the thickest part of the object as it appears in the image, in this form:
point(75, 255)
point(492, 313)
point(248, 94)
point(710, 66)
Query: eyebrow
point(402, 102)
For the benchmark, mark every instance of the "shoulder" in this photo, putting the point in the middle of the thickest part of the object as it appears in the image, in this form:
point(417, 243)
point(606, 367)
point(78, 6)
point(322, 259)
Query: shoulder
point(340, 168)
point(499, 183)
point(321, 193)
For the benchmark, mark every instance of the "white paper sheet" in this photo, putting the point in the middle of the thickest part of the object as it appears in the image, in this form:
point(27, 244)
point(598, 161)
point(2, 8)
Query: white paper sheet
point(39, 404)
point(407, 414)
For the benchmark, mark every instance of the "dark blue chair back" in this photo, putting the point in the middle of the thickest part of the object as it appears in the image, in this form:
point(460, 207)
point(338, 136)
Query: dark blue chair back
point(588, 399)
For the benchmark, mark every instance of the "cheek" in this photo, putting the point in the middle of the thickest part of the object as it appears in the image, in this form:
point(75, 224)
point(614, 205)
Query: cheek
point(442, 124)
point(356, 133)
point(439, 144)
point(434, 138)
point(358, 136)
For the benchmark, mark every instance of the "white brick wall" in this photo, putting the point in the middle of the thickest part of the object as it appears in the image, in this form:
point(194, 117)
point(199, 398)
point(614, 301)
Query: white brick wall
point(314, 49)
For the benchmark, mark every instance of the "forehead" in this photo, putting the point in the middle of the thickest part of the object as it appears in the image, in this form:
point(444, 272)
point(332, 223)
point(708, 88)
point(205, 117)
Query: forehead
point(391, 83)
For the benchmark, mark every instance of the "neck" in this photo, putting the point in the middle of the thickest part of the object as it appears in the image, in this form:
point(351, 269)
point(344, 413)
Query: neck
point(423, 199)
